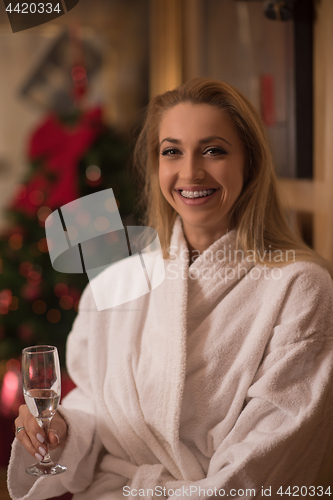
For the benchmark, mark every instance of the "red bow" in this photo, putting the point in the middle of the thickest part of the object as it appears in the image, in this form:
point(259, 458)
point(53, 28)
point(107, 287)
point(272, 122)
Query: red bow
point(60, 147)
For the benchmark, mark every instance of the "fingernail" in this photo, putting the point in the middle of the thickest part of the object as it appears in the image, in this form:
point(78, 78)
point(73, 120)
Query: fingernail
point(39, 457)
point(40, 438)
point(42, 450)
point(56, 435)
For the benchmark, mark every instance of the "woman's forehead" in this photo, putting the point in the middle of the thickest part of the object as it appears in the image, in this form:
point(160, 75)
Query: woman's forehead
point(196, 121)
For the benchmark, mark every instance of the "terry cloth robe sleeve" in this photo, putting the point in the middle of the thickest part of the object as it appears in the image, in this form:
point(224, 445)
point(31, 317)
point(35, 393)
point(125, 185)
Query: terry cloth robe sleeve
point(108, 442)
point(284, 431)
point(78, 409)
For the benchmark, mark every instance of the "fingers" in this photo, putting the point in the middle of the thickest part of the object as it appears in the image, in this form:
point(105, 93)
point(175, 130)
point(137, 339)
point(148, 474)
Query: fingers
point(32, 436)
point(53, 439)
point(58, 432)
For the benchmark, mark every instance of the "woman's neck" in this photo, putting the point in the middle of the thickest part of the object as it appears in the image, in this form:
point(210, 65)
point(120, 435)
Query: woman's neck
point(198, 243)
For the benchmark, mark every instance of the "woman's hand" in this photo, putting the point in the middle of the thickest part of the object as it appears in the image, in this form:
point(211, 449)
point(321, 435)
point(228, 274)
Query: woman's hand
point(33, 437)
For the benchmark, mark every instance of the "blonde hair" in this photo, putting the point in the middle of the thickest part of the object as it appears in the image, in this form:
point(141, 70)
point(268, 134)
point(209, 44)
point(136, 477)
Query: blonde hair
point(257, 214)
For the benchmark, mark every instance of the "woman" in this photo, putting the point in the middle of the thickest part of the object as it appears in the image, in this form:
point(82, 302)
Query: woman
point(217, 382)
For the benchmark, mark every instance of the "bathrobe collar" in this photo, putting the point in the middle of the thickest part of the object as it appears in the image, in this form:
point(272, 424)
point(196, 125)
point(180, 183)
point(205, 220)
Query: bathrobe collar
point(220, 264)
point(212, 274)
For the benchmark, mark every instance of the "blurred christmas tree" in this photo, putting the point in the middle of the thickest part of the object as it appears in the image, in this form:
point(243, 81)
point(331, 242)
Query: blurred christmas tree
point(70, 157)
point(71, 154)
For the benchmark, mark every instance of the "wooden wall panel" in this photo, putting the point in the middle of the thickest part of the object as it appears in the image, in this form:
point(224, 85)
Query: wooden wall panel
point(166, 45)
point(323, 121)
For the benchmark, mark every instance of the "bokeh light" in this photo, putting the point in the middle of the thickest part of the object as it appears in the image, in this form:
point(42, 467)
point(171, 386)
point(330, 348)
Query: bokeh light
point(29, 292)
point(72, 232)
point(66, 302)
point(34, 278)
point(49, 243)
point(112, 236)
point(111, 205)
point(25, 268)
point(39, 307)
point(53, 316)
point(13, 365)
point(15, 242)
point(83, 218)
point(79, 76)
point(93, 173)
point(60, 289)
point(42, 245)
point(5, 301)
point(101, 224)
point(43, 213)
point(36, 197)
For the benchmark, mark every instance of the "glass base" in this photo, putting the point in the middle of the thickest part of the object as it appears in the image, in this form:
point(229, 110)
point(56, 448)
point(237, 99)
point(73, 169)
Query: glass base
point(49, 469)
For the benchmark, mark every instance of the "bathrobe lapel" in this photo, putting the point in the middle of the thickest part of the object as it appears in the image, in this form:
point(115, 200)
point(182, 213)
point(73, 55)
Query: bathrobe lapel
point(160, 373)
point(160, 379)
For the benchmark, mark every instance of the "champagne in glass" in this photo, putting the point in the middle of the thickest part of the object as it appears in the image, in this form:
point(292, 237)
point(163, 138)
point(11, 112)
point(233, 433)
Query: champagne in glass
point(42, 391)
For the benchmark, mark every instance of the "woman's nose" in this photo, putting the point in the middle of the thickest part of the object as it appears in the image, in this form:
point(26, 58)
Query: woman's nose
point(192, 169)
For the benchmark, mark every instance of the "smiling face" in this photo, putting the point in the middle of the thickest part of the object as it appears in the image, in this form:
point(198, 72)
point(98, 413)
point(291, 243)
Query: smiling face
point(201, 165)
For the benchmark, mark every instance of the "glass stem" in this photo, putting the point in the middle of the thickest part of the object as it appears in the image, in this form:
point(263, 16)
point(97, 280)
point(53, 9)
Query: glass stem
point(44, 423)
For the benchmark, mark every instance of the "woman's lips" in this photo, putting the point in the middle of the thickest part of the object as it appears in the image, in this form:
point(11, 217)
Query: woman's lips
point(196, 201)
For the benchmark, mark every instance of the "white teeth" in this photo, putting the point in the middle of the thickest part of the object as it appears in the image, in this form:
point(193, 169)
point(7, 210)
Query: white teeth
point(196, 194)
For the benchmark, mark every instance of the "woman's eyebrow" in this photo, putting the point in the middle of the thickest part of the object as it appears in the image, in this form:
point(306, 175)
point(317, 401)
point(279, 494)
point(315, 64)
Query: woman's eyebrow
point(170, 139)
point(212, 137)
point(201, 141)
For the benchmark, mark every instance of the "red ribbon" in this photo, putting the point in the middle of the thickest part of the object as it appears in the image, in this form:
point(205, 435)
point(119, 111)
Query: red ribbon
point(60, 147)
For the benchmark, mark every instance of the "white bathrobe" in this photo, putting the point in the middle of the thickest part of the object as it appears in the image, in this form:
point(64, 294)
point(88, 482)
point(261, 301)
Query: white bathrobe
point(220, 378)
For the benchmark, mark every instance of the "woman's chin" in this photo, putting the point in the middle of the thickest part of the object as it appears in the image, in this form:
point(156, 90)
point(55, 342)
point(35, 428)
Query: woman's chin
point(204, 223)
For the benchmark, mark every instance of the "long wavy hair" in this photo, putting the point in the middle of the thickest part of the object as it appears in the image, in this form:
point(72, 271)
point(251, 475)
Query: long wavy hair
point(257, 214)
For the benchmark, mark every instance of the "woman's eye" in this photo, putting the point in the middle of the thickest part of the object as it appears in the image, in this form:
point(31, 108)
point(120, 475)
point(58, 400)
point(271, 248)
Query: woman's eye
point(215, 151)
point(170, 152)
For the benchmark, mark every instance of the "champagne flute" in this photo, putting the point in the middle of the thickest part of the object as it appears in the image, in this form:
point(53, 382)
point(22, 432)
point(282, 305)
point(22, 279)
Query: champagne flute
point(42, 390)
